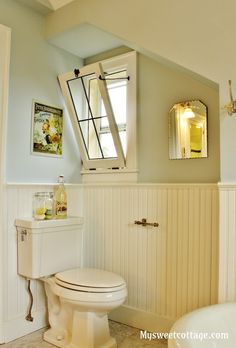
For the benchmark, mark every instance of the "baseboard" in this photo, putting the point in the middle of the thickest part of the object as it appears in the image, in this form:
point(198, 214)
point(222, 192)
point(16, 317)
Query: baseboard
point(19, 327)
point(134, 317)
point(141, 319)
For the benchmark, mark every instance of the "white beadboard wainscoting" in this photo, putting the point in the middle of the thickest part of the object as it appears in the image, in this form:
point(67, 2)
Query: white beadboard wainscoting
point(169, 270)
point(16, 298)
point(227, 240)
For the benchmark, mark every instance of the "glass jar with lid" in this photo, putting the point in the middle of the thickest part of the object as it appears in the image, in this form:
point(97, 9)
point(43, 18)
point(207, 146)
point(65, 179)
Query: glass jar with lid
point(43, 206)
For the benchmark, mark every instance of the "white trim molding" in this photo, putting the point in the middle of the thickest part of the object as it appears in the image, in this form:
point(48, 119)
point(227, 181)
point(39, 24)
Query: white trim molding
point(141, 319)
point(227, 242)
point(5, 41)
point(109, 176)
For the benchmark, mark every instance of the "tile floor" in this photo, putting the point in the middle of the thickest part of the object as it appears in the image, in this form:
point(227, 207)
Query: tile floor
point(126, 337)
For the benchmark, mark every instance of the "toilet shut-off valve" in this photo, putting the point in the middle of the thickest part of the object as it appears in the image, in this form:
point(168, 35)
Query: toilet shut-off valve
point(144, 223)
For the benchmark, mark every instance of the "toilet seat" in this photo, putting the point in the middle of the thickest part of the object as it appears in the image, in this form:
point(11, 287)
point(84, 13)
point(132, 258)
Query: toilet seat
point(90, 280)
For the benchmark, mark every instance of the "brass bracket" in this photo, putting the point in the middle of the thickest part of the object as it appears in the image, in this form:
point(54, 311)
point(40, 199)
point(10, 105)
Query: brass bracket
point(144, 223)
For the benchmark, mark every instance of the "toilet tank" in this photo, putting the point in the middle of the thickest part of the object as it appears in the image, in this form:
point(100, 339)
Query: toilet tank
point(49, 246)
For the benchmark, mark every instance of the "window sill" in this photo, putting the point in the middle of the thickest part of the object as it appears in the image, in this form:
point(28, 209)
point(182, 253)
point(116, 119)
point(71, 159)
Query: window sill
point(109, 175)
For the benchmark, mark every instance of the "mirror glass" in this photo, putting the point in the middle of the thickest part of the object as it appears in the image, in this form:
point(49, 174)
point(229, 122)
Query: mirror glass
point(188, 130)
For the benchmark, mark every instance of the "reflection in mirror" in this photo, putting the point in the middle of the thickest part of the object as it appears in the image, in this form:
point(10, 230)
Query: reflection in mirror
point(188, 130)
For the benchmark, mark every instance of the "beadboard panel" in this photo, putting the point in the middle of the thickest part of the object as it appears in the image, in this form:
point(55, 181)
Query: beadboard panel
point(16, 299)
point(169, 270)
point(227, 264)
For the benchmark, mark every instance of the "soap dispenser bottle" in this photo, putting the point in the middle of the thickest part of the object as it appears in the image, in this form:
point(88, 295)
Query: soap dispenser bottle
point(61, 199)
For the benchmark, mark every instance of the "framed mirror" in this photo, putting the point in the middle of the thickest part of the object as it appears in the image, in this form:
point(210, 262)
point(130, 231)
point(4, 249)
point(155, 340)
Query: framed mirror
point(188, 130)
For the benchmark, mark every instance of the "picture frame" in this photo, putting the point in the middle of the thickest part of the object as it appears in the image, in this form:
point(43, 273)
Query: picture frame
point(47, 130)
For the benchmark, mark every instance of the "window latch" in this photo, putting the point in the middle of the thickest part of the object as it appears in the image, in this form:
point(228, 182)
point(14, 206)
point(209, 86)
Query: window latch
point(77, 72)
point(113, 78)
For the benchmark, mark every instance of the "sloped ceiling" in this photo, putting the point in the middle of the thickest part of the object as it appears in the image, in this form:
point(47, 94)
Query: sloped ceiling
point(45, 6)
point(56, 4)
point(84, 40)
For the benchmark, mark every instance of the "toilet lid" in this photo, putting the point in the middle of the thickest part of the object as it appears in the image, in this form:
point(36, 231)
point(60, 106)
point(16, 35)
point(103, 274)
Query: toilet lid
point(90, 279)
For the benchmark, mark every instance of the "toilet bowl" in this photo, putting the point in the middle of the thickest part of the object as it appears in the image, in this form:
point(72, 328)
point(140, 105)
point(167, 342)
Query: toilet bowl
point(79, 301)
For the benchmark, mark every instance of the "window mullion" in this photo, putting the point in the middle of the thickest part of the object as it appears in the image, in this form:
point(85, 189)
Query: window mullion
point(111, 118)
point(92, 118)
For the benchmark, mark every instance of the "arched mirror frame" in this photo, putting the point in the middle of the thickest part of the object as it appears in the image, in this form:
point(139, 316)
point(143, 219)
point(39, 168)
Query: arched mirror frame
point(188, 131)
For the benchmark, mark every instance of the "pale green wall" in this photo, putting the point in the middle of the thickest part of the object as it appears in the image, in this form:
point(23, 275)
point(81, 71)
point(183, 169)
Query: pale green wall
point(33, 75)
point(196, 35)
point(160, 87)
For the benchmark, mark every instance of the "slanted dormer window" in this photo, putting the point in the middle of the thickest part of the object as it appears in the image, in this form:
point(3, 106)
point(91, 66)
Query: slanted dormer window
point(101, 100)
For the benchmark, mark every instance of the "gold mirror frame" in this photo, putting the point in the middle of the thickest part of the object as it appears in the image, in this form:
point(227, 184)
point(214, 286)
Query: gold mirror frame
point(188, 130)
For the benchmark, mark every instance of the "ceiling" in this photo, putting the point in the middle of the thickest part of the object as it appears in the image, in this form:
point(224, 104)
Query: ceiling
point(83, 41)
point(45, 6)
point(86, 41)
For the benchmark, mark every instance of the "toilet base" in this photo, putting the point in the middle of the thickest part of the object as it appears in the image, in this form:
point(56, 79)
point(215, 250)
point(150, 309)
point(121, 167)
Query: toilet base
point(81, 322)
point(88, 330)
point(50, 337)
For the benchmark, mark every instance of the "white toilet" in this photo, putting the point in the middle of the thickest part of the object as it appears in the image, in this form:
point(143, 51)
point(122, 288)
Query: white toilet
point(79, 299)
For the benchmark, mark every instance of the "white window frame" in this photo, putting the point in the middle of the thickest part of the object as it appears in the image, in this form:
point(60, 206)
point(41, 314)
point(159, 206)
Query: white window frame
point(128, 169)
point(121, 82)
point(89, 163)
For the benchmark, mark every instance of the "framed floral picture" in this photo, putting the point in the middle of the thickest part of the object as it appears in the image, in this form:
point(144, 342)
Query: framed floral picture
point(47, 129)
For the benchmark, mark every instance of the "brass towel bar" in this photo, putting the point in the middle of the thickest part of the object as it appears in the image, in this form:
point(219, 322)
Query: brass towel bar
point(144, 222)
